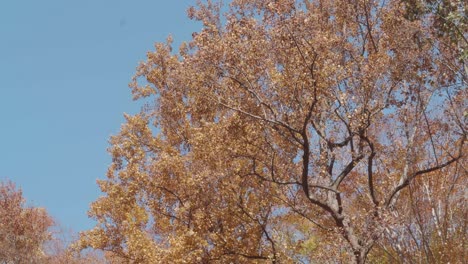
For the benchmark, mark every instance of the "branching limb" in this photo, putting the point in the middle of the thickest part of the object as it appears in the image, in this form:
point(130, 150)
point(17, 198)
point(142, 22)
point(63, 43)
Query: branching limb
point(370, 176)
point(391, 201)
point(346, 171)
point(271, 121)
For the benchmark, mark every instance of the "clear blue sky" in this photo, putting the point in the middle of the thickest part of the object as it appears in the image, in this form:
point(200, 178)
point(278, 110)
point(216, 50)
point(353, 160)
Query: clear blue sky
point(64, 70)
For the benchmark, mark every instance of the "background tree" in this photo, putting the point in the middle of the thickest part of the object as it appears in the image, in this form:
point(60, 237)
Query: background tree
point(23, 230)
point(286, 131)
point(448, 18)
point(58, 250)
point(30, 235)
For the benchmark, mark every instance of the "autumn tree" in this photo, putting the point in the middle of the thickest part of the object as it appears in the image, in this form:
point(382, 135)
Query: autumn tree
point(449, 19)
point(30, 235)
point(58, 250)
point(448, 16)
point(289, 131)
point(23, 229)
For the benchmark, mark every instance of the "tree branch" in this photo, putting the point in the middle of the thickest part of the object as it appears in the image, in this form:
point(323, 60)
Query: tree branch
point(346, 171)
point(390, 202)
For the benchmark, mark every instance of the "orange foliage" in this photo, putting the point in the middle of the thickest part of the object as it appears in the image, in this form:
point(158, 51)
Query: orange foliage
point(284, 132)
point(23, 230)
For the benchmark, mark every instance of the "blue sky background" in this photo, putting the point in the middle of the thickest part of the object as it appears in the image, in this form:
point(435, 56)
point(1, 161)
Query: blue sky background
point(64, 70)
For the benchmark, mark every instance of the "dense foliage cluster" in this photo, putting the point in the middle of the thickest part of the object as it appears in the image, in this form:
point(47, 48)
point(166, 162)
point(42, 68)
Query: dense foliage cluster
point(288, 131)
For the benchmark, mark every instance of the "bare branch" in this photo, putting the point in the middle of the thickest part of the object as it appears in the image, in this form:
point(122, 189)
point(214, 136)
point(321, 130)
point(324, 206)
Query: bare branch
point(405, 183)
point(275, 122)
point(346, 171)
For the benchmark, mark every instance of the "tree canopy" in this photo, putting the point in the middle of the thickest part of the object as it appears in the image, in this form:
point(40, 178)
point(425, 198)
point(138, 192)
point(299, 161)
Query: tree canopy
point(28, 234)
point(293, 131)
point(23, 230)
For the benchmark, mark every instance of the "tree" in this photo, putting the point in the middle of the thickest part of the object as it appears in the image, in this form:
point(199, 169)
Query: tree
point(449, 16)
point(58, 250)
point(433, 223)
point(27, 235)
point(23, 230)
point(284, 131)
point(449, 20)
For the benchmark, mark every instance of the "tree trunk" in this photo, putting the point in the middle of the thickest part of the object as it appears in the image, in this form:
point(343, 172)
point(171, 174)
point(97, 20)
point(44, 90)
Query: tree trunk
point(360, 256)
